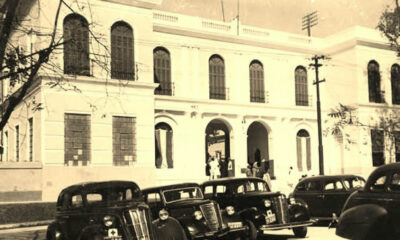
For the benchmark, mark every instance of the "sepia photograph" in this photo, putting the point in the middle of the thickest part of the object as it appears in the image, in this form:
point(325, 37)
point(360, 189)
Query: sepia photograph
point(199, 119)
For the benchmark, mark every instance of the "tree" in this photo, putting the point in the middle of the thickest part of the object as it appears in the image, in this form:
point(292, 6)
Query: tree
point(389, 25)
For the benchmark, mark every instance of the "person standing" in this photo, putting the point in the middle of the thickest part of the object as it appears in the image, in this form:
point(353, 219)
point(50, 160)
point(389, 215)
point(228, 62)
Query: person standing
point(214, 169)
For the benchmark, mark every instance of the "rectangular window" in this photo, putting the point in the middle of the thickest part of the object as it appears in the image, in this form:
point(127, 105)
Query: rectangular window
point(30, 149)
point(5, 150)
point(124, 142)
point(397, 145)
point(17, 143)
point(377, 143)
point(77, 144)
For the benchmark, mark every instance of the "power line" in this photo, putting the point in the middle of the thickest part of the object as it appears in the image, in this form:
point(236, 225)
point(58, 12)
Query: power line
point(309, 21)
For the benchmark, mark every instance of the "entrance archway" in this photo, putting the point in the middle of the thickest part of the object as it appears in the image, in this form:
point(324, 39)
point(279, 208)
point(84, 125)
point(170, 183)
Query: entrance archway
point(257, 143)
point(218, 145)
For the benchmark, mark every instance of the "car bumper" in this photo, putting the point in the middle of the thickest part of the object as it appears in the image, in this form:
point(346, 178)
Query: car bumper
point(286, 225)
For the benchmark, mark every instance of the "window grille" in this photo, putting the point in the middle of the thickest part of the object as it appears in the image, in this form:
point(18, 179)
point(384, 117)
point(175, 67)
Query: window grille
point(76, 47)
point(77, 143)
point(30, 122)
point(217, 78)
point(377, 143)
point(124, 141)
point(17, 143)
point(257, 93)
point(374, 83)
point(301, 86)
point(162, 72)
point(395, 82)
point(122, 54)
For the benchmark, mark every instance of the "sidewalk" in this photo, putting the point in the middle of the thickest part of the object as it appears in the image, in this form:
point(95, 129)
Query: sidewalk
point(25, 225)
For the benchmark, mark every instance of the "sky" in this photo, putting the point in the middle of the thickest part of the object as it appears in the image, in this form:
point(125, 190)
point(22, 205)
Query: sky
point(286, 15)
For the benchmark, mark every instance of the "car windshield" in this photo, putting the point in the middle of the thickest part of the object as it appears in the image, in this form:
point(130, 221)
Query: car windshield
point(356, 182)
point(252, 186)
point(112, 194)
point(182, 194)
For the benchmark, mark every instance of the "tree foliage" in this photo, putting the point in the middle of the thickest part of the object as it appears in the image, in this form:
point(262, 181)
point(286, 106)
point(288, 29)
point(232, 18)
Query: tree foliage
point(389, 25)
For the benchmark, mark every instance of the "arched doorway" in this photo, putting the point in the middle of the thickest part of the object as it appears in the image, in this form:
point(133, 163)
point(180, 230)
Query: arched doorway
point(217, 145)
point(163, 145)
point(257, 143)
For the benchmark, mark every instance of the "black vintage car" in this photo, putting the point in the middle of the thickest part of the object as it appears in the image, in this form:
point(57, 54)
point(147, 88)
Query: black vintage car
point(325, 195)
point(263, 209)
point(112, 210)
point(201, 218)
point(373, 212)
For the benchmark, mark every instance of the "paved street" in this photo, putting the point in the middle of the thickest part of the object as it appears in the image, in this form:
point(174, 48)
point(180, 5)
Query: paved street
point(314, 233)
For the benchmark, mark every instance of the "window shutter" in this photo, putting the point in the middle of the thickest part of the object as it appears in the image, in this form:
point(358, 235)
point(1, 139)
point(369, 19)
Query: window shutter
point(169, 150)
point(299, 154)
point(158, 149)
point(308, 143)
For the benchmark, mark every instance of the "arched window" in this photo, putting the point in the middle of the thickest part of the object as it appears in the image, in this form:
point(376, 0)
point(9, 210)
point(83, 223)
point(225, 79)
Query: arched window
point(162, 71)
point(257, 93)
point(217, 77)
point(374, 82)
point(76, 47)
point(303, 151)
point(395, 80)
point(163, 141)
point(122, 60)
point(301, 86)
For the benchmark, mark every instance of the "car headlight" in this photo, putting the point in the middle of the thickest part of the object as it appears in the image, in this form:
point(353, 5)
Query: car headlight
point(198, 215)
point(230, 210)
point(267, 203)
point(108, 221)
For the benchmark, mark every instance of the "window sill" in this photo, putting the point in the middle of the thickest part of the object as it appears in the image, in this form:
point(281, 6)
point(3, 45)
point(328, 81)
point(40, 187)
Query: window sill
point(21, 165)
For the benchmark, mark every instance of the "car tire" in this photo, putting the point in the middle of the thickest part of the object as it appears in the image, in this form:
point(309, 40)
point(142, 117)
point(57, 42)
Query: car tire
point(300, 232)
point(51, 233)
point(252, 233)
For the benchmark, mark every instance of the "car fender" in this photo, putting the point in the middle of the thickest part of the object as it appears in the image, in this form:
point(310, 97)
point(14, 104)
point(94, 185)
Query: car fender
point(192, 226)
point(248, 213)
point(361, 221)
point(90, 231)
point(299, 212)
point(51, 232)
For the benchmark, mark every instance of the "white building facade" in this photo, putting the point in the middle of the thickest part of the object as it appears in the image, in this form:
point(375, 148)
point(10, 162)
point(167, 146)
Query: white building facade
point(179, 90)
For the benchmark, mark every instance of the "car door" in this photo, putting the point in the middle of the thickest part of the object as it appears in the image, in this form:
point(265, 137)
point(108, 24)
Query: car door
point(334, 196)
point(77, 217)
point(312, 195)
point(392, 200)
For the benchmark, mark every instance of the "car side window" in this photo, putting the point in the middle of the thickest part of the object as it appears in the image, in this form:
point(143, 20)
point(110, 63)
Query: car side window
point(314, 186)
point(153, 198)
point(329, 186)
point(208, 191)
point(395, 182)
point(379, 184)
point(301, 187)
point(220, 189)
point(77, 201)
point(94, 197)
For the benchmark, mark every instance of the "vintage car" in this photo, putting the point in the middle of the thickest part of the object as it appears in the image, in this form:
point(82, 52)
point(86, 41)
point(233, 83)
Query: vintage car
point(112, 210)
point(325, 195)
point(201, 218)
point(373, 212)
point(263, 209)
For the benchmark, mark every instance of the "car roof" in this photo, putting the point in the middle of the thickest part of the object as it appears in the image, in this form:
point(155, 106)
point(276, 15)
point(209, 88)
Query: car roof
point(168, 187)
point(87, 186)
point(383, 170)
point(330, 177)
point(231, 180)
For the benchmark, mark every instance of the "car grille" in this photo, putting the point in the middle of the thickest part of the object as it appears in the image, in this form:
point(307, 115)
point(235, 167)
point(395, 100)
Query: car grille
point(140, 224)
point(212, 216)
point(281, 209)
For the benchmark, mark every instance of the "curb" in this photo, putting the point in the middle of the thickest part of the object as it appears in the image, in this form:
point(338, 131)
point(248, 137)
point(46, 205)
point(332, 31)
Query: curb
point(25, 224)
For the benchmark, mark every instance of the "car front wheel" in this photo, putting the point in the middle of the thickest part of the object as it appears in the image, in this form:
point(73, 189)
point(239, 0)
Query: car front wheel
point(300, 232)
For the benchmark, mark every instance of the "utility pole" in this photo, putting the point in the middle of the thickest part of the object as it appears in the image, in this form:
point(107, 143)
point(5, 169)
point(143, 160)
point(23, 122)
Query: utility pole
point(316, 65)
point(309, 21)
